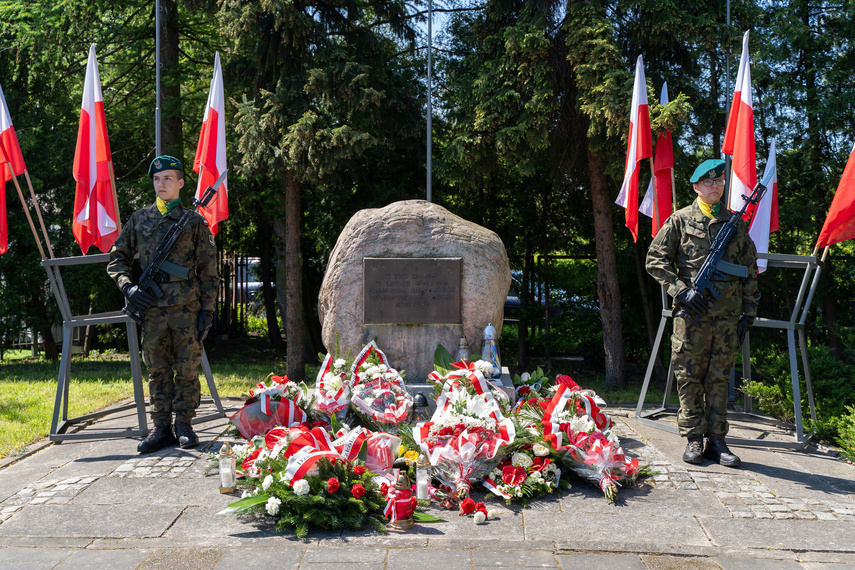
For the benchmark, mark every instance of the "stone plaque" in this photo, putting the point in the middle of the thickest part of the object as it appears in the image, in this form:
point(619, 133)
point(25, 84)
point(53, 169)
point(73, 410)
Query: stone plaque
point(411, 291)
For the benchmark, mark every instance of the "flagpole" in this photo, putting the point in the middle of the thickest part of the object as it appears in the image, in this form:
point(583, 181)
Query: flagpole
point(115, 196)
point(655, 196)
point(26, 210)
point(157, 79)
point(673, 192)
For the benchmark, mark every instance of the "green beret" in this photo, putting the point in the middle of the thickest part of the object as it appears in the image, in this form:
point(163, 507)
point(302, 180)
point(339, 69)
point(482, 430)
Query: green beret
point(165, 162)
point(711, 168)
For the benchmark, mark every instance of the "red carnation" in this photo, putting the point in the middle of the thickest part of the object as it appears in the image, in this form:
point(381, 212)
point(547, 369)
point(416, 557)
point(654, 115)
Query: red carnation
point(481, 506)
point(359, 470)
point(445, 431)
point(467, 507)
point(358, 491)
point(384, 489)
point(513, 475)
point(332, 485)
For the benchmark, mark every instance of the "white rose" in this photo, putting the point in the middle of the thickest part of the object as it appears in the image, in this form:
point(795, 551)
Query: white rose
point(493, 514)
point(272, 506)
point(268, 481)
point(525, 377)
point(301, 487)
point(540, 450)
point(480, 517)
point(521, 460)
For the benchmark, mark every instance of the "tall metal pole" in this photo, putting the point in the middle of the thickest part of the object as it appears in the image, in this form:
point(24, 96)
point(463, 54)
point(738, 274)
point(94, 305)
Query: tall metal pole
point(429, 102)
point(727, 101)
point(157, 77)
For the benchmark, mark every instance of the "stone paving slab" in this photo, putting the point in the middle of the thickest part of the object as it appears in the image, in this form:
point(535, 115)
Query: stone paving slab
point(91, 521)
point(279, 558)
point(624, 528)
point(781, 534)
point(113, 491)
point(124, 559)
point(36, 558)
point(623, 561)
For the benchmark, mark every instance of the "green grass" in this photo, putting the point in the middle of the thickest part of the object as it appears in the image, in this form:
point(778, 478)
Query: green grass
point(28, 386)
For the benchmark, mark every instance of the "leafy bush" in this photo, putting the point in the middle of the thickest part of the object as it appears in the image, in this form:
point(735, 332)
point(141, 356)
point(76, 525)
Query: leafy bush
point(846, 430)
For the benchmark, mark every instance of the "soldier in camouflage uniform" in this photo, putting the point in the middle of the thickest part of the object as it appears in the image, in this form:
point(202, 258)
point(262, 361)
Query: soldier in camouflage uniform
point(175, 325)
point(703, 354)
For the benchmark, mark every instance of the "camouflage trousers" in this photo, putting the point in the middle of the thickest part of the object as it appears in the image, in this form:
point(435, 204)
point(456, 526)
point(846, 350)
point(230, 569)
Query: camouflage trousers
point(703, 356)
point(170, 341)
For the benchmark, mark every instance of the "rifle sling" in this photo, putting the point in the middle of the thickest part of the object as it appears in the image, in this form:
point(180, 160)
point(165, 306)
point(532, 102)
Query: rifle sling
point(176, 272)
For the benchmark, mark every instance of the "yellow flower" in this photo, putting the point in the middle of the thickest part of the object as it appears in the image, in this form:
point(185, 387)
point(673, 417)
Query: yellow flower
point(412, 455)
point(402, 450)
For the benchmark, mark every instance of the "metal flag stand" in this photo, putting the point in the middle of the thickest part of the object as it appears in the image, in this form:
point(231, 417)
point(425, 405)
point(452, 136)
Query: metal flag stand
point(812, 269)
point(59, 425)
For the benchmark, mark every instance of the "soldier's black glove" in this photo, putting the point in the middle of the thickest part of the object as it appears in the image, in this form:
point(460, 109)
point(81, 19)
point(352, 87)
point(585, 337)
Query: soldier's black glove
point(138, 299)
point(203, 323)
point(694, 300)
point(745, 321)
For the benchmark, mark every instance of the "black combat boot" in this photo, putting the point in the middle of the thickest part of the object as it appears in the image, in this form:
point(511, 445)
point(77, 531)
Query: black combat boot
point(158, 438)
point(694, 451)
point(186, 436)
point(717, 450)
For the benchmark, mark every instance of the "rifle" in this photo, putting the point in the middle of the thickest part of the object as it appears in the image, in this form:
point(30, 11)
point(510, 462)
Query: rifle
point(714, 268)
point(155, 274)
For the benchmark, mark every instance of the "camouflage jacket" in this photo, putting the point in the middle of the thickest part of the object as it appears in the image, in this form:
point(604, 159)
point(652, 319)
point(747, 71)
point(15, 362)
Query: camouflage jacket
point(195, 250)
point(682, 245)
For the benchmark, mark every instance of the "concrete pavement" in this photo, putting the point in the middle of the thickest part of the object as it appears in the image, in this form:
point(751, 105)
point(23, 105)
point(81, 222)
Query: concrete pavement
point(99, 504)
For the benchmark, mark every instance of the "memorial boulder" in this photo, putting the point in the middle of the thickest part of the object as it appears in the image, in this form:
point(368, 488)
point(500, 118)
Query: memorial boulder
point(412, 275)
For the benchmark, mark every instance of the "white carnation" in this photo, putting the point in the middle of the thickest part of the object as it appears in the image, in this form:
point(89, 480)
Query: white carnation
point(493, 514)
point(268, 481)
point(301, 487)
point(373, 371)
point(339, 363)
point(313, 470)
point(485, 367)
point(540, 450)
point(521, 460)
point(480, 517)
point(582, 425)
point(272, 506)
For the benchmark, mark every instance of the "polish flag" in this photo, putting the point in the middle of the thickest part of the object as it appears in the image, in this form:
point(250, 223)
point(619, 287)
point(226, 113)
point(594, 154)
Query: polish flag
point(11, 163)
point(840, 222)
point(4, 236)
point(95, 216)
point(765, 219)
point(739, 136)
point(210, 160)
point(639, 147)
point(663, 164)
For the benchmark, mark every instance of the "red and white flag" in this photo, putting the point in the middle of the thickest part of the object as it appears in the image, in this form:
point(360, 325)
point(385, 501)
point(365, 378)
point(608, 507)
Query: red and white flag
point(639, 146)
point(765, 219)
point(663, 164)
point(11, 163)
point(840, 222)
point(95, 216)
point(739, 135)
point(210, 160)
